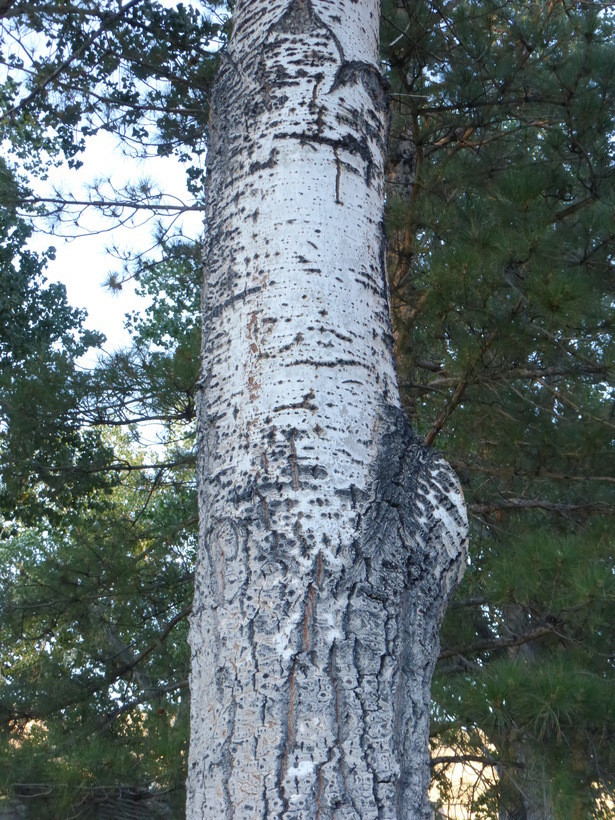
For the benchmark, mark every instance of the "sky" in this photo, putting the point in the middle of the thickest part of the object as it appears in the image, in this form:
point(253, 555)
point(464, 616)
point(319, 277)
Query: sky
point(84, 262)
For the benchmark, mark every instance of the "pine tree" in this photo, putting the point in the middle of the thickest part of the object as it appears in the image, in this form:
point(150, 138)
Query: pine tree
point(501, 265)
point(97, 585)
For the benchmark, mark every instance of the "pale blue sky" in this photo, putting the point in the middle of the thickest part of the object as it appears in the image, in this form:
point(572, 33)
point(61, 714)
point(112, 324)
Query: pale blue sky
point(83, 263)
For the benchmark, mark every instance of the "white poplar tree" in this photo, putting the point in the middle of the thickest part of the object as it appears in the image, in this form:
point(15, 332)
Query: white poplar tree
point(331, 538)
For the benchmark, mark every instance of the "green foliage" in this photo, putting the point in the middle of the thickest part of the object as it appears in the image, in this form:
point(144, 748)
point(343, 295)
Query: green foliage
point(502, 282)
point(41, 440)
point(156, 379)
point(95, 660)
point(97, 589)
point(167, 336)
point(143, 70)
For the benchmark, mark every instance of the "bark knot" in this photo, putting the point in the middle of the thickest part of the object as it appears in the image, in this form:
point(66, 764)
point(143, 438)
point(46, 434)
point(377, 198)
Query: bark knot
point(354, 71)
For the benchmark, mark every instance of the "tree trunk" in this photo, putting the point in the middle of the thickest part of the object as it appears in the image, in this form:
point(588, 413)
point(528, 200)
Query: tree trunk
point(526, 798)
point(523, 787)
point(331, 538)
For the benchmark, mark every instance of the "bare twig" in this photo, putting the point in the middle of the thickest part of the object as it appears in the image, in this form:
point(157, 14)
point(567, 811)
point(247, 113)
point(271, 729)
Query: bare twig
point(110, 204)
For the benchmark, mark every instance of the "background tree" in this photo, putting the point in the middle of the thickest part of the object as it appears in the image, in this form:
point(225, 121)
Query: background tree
point(97, 585)
point(41, 339)
point(502, 278)
point(97, 580)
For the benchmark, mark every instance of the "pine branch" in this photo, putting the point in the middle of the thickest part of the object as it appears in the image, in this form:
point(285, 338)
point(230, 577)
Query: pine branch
point(486, 508)
point(498, 643)
point(14, 9)
point(468, 378)
point(5, 7)
point(109, 21)
point(118, 673)
point(131, 704)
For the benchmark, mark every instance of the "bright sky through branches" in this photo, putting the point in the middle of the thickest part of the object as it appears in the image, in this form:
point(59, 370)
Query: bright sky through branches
point(86, 254)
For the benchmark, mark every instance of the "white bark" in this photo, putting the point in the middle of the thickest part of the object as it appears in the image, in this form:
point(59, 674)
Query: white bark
point(330, 538)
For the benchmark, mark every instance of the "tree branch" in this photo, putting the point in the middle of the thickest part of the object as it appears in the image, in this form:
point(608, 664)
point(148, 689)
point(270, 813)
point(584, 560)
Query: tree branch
point(131, 704)
point(538, 504)
point(486, 760)
point(500, 643)
point(101, 203)
point(118, 467)
point(108, 22)
point(448, 411)
point(160, 638)
point(476, 466)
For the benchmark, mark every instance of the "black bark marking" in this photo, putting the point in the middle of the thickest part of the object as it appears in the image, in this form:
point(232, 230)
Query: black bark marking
point(334, 363)
point(306, 403)
point(346, 143)
point(338, 176)
point(217, 310)
point(259, 166)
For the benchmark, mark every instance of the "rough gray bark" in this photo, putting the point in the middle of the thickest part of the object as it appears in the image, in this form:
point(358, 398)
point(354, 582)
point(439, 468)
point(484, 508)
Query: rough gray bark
point(331, 539)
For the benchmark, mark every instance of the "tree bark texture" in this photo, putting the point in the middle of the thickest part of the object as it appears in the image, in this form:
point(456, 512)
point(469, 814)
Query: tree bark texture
point(330, 537)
